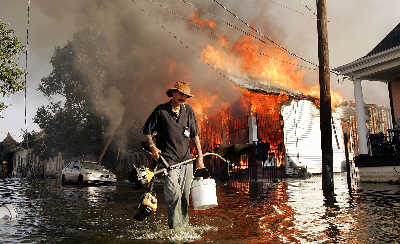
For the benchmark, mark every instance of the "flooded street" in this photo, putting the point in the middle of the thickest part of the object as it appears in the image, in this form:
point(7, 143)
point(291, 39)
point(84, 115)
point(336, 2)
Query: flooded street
point(291, 211)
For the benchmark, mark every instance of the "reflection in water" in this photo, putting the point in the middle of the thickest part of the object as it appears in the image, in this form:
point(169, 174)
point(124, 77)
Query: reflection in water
point(291, 211)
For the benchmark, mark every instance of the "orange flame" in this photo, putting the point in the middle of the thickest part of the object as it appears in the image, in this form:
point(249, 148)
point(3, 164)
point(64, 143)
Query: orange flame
point(266, 107)
point(223, 41)
point(268, 63)
point(230, 124)
point(243, 163)
point(261, 62)
point(202, 22)
point(271, 69)
point(201, 104)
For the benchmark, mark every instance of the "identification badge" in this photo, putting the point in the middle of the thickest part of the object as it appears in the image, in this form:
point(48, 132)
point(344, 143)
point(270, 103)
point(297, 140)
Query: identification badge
point(186, 132)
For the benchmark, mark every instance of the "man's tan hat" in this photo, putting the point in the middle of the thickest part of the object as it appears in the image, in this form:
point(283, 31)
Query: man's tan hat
point(181, 87)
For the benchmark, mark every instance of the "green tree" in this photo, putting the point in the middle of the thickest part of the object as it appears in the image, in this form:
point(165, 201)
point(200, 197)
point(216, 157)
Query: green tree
point(10, 73)
point(72, 125)
point(33, 140)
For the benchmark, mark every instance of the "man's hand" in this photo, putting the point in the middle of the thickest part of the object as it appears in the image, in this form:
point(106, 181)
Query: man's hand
point(155, 151)
point(199, 162)
point(200, 170)
point(153, 148)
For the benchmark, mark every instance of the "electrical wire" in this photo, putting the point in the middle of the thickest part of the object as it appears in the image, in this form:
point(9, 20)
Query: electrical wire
point(295, 10)
point(232, 26)
point(269, 39)
point(192, 49)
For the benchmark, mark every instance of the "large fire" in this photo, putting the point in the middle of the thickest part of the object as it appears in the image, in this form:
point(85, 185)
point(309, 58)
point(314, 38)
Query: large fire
point(230, 124)
point(268, 65)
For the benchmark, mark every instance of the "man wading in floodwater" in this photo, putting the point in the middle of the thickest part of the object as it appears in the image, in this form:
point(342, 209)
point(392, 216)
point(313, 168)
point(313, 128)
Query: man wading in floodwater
point(175, 124)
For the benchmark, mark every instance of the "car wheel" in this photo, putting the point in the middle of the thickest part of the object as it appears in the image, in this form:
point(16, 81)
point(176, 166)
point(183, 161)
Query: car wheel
point(62, 179)
point(80, 180)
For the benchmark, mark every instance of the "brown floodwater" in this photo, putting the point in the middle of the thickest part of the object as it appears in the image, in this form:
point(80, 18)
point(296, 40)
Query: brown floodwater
point(288, 211)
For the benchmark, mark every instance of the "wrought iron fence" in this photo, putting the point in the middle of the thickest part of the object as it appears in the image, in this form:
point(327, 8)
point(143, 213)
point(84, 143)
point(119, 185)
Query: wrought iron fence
point(381, 144)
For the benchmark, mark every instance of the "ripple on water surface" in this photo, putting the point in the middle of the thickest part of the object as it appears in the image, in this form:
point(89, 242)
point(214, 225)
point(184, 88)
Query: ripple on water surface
point(289, 211)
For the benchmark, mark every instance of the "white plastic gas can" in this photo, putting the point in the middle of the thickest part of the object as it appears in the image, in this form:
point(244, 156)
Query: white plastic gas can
point(204, 194)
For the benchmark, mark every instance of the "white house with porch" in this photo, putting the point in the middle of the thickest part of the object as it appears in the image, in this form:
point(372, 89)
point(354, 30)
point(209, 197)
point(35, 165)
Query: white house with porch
point(382, 63)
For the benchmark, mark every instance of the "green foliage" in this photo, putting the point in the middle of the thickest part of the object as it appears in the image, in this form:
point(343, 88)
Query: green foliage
point(74, 126)
point(65, 130)
point(10, 73)
point(33, 140)
point(71, 126)
point(2, 107)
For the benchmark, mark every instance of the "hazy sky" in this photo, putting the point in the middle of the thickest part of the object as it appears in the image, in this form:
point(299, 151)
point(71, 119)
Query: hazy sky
point(355, 27)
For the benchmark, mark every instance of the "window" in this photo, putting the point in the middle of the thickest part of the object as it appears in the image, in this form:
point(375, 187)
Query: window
point(72, 164)
point(92, 165)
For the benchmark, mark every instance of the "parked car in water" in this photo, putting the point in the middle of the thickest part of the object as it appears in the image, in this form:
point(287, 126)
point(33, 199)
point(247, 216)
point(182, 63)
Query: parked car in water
point(82, 172)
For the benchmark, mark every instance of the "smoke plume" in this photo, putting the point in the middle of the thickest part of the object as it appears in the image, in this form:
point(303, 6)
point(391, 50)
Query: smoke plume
point(149, 45)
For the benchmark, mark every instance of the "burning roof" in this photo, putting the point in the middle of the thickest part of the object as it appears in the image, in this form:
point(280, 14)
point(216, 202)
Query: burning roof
point(260, 86)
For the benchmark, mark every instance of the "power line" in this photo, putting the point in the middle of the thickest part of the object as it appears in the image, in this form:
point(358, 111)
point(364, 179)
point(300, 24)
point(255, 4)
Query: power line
point(286, 62)
point(250, 34)
point(295, 10)
point(232, 26)
point(226, 76)
point(309, 8)
point(180, 41)
point(261, 34)
point(265, 36)
point(218, 71)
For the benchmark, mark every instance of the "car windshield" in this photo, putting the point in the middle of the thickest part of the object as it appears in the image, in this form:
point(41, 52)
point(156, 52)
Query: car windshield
point(90, 165)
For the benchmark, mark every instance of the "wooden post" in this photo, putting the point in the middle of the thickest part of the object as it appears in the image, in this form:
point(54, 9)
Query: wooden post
point(325, 101)
point(346, 153)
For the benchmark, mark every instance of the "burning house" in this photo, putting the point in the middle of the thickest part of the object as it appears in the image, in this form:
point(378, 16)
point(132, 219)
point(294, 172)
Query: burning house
point(287, 121)
point(275, 107)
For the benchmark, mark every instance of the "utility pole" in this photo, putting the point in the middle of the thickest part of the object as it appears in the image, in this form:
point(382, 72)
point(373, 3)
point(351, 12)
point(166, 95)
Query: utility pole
point(325, 102)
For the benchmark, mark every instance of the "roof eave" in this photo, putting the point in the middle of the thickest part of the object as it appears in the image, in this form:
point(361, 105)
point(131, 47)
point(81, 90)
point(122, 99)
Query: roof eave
point(366, 62)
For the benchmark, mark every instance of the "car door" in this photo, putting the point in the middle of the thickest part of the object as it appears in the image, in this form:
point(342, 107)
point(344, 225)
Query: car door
point(75, 171)
point(65, 171)
point(71, 171)
point(68, 171)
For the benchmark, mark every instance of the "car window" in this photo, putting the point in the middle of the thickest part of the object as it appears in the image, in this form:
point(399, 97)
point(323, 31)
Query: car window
point(90, 165)
point(71, 165)
point(67, 165)
point(74, 165)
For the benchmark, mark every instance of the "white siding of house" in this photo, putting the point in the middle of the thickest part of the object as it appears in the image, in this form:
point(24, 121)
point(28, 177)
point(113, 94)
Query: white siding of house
point(302, 138)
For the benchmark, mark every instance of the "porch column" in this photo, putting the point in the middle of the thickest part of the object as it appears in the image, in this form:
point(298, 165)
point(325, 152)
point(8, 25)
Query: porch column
point(360, 117)
point(252, 125)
